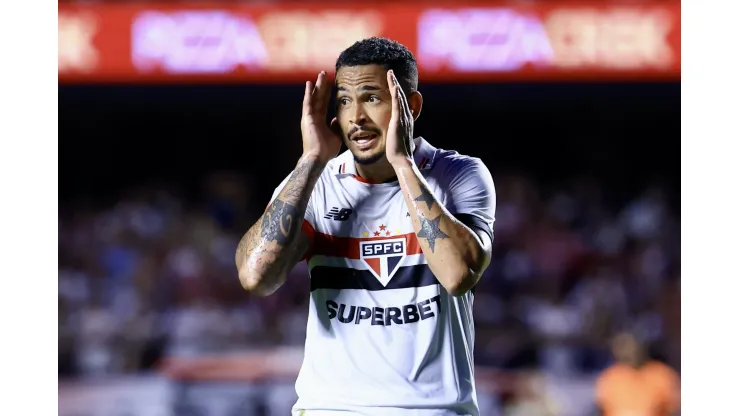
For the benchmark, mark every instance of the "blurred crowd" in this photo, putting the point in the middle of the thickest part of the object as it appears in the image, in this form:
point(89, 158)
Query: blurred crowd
point(153, 275)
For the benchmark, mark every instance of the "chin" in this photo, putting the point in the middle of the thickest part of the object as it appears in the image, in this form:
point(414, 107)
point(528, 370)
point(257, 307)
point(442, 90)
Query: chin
point(368, 157)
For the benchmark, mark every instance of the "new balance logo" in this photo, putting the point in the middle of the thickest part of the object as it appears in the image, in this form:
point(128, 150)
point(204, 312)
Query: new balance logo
point(338, 214)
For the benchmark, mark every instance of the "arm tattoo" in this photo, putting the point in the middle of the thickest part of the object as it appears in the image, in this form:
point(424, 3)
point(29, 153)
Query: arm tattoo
point(426, 197)
point(303, 172)
point(430, 230)
point(275, 242)
point(279, 222)
point(282, 220)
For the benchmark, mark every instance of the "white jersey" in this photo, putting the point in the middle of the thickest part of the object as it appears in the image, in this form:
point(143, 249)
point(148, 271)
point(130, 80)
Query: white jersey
point(384, 337)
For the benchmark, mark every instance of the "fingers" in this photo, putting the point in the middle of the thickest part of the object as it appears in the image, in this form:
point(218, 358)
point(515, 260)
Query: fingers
point(400, 103)
point(325, 91)
point(307, 98)
point(321, 93)
point(395, 105)
point(316, 95)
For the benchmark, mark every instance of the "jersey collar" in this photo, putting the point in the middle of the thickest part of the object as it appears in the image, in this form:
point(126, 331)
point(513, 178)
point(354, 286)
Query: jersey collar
point(423, 159)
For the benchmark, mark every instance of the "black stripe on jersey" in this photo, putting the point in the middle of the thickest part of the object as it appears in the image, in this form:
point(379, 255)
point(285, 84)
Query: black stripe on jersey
point(475, 223)
point(324, 277)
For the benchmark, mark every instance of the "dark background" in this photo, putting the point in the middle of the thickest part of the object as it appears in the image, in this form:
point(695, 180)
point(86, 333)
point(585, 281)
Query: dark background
point(114, 137)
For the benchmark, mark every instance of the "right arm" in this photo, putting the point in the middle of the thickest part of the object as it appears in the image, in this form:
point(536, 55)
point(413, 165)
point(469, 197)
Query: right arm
point(270, 249)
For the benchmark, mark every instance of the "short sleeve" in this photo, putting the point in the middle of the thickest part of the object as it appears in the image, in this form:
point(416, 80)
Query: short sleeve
point(472, 194)
point(309, 220)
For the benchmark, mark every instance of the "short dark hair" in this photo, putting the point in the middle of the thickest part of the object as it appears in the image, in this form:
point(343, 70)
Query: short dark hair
point(386, 52)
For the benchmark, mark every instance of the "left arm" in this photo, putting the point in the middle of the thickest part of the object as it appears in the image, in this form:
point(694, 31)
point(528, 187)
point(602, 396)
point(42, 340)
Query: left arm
point(456, 253)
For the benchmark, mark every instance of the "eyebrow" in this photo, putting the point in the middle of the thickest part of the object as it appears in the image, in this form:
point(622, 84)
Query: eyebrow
point(363, 88)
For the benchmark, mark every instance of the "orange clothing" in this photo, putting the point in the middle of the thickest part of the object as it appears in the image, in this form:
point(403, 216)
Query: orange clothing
point(651, 390)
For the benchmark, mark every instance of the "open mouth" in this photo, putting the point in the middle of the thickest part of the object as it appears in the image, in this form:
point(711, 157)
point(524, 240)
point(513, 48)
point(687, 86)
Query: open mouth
point(364, 140)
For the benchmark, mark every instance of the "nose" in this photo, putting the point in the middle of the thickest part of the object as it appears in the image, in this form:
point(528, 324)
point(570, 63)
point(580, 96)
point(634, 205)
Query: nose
point(358, 115)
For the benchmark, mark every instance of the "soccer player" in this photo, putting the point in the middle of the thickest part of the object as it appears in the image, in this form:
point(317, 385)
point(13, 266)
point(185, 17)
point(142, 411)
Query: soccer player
point(396, 233)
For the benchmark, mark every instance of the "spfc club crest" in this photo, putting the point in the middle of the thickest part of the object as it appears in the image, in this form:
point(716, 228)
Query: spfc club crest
point(383, 257)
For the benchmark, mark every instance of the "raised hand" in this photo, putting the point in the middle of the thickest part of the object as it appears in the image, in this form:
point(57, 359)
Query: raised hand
point(318, 139)
point(399, 140)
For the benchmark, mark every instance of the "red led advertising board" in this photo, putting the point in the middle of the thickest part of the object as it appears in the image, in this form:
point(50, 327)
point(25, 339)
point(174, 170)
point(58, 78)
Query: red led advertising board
point(452, 42)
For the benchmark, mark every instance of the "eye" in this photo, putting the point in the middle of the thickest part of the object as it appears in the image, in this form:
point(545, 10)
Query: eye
point(373, 99)
point(343, 101)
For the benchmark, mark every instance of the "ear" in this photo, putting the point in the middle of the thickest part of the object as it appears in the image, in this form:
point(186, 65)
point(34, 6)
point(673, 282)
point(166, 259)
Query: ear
point(415, 103)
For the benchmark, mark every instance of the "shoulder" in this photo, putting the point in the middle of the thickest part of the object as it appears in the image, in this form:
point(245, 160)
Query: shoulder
point(331, 172)
point(451, 165)
point(463, 176)
point(662, 371)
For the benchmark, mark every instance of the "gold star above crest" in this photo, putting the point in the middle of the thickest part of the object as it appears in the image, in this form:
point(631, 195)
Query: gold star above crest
point(365, 234)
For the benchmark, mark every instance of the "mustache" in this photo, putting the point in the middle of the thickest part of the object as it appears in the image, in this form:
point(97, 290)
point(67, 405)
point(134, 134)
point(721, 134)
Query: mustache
point(364, 130)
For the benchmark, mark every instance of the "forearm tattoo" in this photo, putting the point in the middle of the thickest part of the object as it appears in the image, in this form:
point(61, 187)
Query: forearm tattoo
point(307, 171)
point(278, 222)
point(273, 239)
point(426, 197)
point(283, 218)
point(430, 230)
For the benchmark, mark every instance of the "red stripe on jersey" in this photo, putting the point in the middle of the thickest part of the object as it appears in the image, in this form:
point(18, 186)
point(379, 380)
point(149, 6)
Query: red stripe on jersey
point(349, 247)
point(308, 229)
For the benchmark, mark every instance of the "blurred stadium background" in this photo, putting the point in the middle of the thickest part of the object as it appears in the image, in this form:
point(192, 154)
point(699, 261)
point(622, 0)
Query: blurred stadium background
point(178, 119)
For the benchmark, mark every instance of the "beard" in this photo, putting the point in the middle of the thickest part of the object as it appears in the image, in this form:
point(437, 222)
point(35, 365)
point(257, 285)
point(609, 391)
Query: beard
point(365, 159)
point(369, 159)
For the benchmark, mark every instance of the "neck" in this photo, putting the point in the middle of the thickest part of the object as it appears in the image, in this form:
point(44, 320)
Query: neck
point(637, 362)
point(378, 172)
